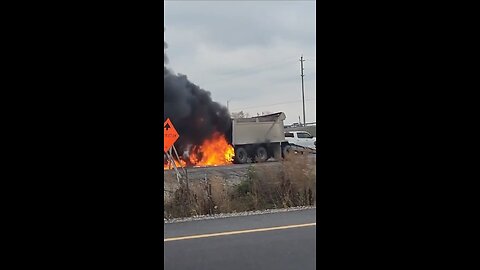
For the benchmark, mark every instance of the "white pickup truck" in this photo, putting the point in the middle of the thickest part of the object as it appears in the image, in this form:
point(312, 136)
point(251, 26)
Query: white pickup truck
point(302, 139)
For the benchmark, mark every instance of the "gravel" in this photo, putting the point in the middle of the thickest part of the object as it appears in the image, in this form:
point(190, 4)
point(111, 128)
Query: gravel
point(236, 214)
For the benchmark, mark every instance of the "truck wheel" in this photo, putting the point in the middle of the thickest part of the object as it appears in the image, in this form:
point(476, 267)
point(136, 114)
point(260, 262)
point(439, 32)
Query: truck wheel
point(241, 156)
point(286, 150)
point(261, 154)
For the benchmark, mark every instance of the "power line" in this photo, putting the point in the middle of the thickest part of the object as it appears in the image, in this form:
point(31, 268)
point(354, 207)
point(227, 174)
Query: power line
point(281, 103)
point(262, 66)
point(251, 71)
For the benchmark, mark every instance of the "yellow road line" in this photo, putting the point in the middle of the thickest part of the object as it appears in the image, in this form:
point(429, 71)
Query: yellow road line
point(238, 232)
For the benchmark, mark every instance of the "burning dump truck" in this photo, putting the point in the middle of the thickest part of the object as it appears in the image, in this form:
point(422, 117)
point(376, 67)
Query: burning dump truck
point(260, 138)
point(257, 139)
point(254, 139)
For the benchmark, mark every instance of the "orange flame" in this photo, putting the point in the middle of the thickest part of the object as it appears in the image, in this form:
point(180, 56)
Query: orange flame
point(167, 166)
point(213, 152)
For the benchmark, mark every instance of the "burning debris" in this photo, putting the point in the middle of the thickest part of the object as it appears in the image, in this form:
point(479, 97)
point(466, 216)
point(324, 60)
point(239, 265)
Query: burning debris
point(203, 124)
point(214, 151)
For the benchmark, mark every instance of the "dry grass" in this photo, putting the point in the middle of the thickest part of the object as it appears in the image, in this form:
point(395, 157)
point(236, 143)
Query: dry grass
point(263, 188)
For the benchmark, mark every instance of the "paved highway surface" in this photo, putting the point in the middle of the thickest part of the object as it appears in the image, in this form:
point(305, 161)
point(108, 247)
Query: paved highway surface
point(276, 241)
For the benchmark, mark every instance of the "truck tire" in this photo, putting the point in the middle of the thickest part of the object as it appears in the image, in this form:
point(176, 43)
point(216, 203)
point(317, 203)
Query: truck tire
point(261, 154)
point(241, 156)
point(286, 150)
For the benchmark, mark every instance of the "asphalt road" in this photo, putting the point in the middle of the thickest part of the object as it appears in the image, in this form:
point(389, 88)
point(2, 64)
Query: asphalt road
point(277, 241)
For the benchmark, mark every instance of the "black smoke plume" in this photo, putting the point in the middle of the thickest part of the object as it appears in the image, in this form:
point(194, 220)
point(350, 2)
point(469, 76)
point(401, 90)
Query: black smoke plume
point(192, 111)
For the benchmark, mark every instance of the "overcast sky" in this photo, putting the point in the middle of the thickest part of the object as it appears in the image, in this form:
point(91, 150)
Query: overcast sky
point(247, 52)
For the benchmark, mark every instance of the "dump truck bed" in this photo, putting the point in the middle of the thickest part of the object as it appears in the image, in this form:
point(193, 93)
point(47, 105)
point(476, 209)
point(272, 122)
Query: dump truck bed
point(256, 130)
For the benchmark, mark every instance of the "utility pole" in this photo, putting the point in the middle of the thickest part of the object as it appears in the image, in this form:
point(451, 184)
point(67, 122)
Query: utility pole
point(303, 91)
point(227, 103)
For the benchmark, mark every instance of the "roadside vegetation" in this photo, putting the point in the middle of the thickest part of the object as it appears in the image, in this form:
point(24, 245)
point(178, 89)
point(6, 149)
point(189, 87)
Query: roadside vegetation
point(262, 188)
